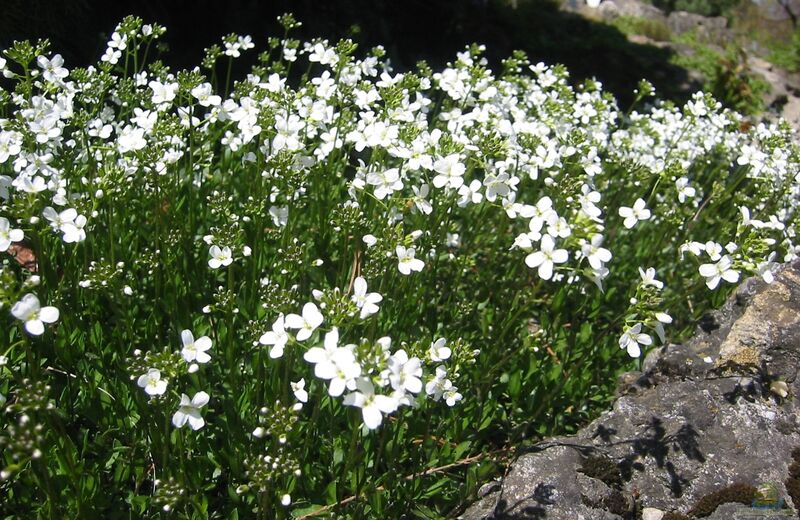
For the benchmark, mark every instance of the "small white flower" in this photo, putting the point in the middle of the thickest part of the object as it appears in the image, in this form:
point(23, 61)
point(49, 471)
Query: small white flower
point(765, 268)
point(277, 337)
point(721, 270)
point(307, 323)
point(195, 349)
point(152, 382)
point(299, 390)
point(451, 172)
point(684, 190)
point(8, 235)
point(635, 214)
point(406, 261)
point(220, 257)
point(439, 351)
point(367, 302)
point(546, 258)
point(29, 310)
point(649, 278)
point(189, 411)
point(632, 338)
point(372, 405)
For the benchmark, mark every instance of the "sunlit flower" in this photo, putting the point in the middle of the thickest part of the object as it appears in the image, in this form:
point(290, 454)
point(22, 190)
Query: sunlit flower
point(8, 235)
point(406, 263)
point(29, 310)
point(152, 382)
point(220, 257)
point(722, 270)
point(366, 302)
point(546, 258)
point(307, 323)
point(633, 215)
point(632, 338)
point(373, 406)
point(189, 411)
point(277, 338)
point(195, 349)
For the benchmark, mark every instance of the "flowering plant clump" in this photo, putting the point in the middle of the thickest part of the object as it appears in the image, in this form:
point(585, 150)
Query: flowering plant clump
point(357, 287)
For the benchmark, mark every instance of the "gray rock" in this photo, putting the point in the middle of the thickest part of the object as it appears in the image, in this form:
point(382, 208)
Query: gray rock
point(701, 417)
point(708, 29)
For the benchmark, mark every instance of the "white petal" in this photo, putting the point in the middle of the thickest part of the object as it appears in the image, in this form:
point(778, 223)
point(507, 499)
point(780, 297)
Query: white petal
point(179, 419)
point(196, 420)
point(371, 414)
point(50, 314)
point(534, 259)
point(200, 399)
point(294, 321)
point(546, 270)
point(202, 344)
point(336, 387)
point(35, 327)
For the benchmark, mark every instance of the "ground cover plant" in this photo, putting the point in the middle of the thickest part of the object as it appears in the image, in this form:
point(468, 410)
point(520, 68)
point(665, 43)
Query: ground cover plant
point(329, 288)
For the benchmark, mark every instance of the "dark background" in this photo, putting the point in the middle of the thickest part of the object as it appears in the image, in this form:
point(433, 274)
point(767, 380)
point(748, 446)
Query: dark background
point(411, 30)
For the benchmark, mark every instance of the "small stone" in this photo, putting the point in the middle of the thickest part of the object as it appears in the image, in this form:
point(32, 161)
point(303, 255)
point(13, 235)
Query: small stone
point(651, 513)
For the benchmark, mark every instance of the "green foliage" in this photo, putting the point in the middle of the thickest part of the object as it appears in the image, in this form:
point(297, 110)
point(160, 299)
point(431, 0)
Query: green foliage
point(653, 29)
point(726, 75)
point(786, 54)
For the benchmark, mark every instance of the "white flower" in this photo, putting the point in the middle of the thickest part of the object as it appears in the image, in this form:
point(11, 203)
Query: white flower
point(470, 193)
point(364, 301)
point(277, 337)
point(632, 338)
point(763, 268)
point(73, 231)
point(439, 384)
point(595, 253)
point(205, 96)
point(661, 319)
point(220, 257)
point(8, 235)
point(406, 261)
point(322, 358)
point(439, 351)
point(450, 170)
point(684, 190)
point(635, 214)
point(719, 271)
point(189, 411)
point(404, 373)
point(152, 382)
point(547, 257)
point(286, 499)
point(451, 396)
point(299, 391)
point(307, 323)
point(163, 92)
point(372, 405)
point(649, 278)
point(386, 182)
point(29, 310)
point(195, 349)
point(280, 215)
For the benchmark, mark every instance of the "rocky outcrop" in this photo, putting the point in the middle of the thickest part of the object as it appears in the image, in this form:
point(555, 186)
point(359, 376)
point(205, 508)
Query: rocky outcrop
point(703, 431)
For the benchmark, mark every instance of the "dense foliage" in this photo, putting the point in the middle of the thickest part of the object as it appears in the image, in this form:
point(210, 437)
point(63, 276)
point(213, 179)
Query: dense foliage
point(330, 288)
